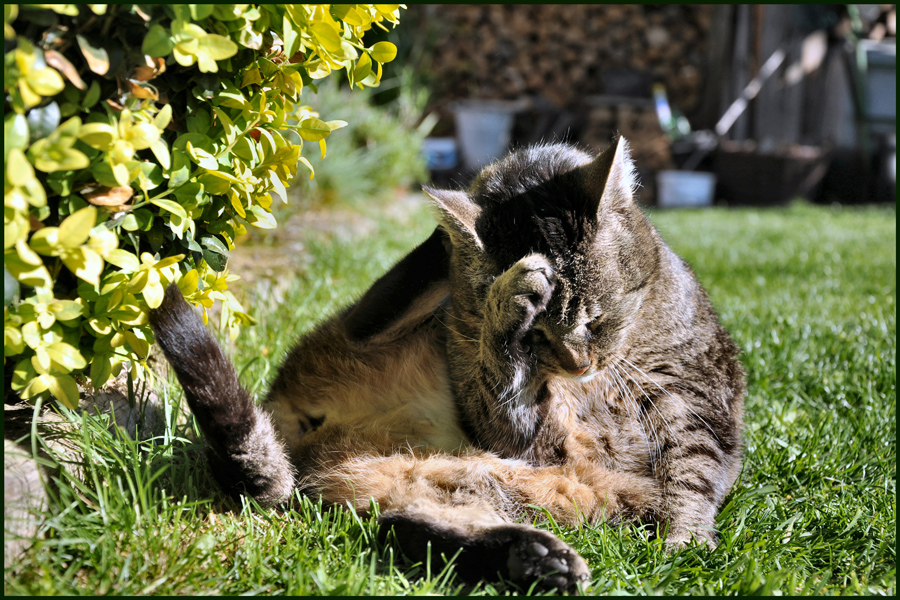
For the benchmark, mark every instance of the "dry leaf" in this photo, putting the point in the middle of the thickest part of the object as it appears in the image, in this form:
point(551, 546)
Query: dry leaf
point(104, 196)
point(141, 91)
point(152, 67)
point(62, 64)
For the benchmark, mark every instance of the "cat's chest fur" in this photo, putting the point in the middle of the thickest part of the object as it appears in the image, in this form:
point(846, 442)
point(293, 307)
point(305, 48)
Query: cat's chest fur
point(398, 391)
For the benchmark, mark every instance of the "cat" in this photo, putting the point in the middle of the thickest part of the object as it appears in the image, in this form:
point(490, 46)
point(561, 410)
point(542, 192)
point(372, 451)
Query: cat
point(542, 348)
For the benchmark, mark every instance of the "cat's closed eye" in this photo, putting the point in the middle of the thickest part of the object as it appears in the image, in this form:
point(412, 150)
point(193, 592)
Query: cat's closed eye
point(535, 337)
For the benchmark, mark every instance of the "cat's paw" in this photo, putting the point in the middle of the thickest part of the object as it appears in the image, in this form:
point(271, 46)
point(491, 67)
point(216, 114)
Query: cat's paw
point(521, 293)
point(537, 557)
point(679, 537)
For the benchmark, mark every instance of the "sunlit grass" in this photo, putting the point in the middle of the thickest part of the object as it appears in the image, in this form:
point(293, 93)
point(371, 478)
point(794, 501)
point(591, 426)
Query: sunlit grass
point(809, 293)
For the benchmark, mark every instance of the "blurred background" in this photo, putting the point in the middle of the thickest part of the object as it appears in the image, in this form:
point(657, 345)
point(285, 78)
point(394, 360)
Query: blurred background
point(742, 105)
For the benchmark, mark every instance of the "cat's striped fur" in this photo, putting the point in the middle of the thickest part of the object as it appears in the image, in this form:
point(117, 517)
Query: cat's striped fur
point(543, 347)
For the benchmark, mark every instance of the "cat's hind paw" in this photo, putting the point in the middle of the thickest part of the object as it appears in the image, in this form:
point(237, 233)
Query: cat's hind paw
point(540, 558)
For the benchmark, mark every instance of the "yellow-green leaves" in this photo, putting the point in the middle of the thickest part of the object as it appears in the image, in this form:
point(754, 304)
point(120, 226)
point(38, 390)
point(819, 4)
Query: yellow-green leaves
point(383, 52)
point(193, 44)
point(74, 242)
point(98, 135)
point(116, 185)
point(56, 152)
point(27, 83)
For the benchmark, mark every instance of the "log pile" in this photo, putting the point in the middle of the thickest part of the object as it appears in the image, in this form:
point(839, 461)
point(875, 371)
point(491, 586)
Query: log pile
point(563, 52)
point(597, 63)
point(650, 147)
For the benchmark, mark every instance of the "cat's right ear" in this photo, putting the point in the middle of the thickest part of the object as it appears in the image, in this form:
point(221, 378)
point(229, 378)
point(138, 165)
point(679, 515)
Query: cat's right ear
point(457, 213)
point(611, 178)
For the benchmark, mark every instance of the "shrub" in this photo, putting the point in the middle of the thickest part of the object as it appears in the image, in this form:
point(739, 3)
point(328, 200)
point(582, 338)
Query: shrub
point(139, 142)
point(379, 151)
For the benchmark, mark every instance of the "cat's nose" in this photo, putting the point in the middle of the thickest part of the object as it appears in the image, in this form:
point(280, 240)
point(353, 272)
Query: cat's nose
point(578, 371)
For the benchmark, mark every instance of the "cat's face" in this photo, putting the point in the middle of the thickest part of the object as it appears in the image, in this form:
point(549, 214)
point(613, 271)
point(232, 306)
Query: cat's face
point(579, 213)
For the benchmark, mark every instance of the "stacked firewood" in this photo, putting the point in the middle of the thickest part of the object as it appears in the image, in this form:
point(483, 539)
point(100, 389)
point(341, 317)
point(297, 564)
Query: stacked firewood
point(563, 52)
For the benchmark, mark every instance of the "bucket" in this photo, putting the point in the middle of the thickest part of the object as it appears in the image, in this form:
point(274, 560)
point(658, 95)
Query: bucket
point(685, 188)
point(440, 153)
point(483, 129)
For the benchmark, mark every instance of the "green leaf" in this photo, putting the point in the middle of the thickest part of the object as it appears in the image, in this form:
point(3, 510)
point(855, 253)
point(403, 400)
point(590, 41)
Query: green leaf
point(214, 244)
point(101, 369)
point(139, 346)
point(15, 133)
point(172, 207)
point(214, 185)
point(18, 169)
point(227, 125)
point(66, 310)
point(180, 171)
point(383, 52)
point(92, 96)
point(202, 157)
point(215, 47)
point(163, 117)
point(123, 259)
point(12, 341)
point(30, 275)
point(85, 263)
point(161, 151)
point(43, 120)
point(66, 356)
point(327, 37)
point(45, 241)
point(121, 174)
point(63, 388)
point(76, 228)
point(153, 294)
point(98, 135)
point(291, 37)
point(263, 219)
point(157, 42)
point(201, 11)
point(363, 68)
point(46, 81)
point(279, 189)
point(188, 284)
point(313, 129)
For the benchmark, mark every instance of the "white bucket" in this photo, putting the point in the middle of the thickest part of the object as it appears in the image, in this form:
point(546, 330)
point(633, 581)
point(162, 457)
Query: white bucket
point(684, 188)
point(440, 153)
point(483, 129)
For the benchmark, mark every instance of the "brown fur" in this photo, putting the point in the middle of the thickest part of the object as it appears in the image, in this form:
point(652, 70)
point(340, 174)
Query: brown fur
point(558, 354)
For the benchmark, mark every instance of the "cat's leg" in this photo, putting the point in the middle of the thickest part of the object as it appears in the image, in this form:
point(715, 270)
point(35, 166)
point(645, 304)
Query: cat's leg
point(698, 464)
point(472, 502)
point(498, 397)
point(483, 545)
point(244, 451)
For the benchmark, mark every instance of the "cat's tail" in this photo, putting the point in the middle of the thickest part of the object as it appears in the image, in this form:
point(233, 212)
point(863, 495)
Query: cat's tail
point(245, 453)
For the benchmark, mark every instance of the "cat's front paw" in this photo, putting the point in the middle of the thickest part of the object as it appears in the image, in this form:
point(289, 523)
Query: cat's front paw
point(520, 294)
point(679, 537)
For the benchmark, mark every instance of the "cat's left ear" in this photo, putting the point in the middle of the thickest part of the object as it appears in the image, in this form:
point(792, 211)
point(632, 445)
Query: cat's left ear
point(457, 213)
point(610, 178)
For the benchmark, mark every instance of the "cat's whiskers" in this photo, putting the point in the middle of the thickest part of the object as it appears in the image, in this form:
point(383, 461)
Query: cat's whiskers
point(674, 398)
point(626, 395)
point(462, 337)
point(663, 421)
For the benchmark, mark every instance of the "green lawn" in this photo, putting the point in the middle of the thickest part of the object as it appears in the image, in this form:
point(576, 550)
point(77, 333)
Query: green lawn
point(808, 292)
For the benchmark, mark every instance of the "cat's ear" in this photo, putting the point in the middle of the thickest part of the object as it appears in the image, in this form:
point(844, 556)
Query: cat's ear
point(457, 213)
point(610, 178)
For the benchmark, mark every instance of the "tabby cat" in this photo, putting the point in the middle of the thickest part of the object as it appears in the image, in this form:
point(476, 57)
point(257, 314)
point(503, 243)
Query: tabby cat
point(544, 347)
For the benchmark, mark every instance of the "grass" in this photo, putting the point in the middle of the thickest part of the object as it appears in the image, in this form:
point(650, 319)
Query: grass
point(808, 292)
